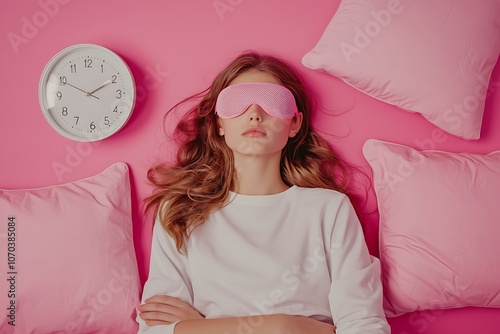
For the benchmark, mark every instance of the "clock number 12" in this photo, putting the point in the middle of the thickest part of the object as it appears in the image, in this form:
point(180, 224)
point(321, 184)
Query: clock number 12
point(88, 63)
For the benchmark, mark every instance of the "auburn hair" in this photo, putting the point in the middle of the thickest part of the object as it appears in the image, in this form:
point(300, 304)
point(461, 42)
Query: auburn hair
point(202, 176)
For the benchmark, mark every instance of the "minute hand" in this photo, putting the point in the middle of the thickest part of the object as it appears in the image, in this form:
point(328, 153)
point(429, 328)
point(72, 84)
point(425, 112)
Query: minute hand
point(104, 84)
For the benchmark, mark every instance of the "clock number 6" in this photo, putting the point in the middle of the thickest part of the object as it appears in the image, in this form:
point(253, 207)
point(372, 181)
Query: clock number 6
point(92, 126)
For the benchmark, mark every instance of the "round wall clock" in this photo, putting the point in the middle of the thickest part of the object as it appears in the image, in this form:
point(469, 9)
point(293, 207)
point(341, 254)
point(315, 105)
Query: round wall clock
point(87, 92)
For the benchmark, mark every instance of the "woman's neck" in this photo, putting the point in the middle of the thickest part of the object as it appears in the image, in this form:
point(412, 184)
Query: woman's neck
point(258, 175)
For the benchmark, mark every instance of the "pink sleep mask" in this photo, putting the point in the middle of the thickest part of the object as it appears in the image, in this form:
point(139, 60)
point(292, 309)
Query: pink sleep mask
point(275, 99)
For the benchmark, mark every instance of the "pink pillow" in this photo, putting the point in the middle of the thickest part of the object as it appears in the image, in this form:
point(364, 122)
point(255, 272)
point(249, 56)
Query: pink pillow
point(430, 57)
point(439, 227)
point(71, 263)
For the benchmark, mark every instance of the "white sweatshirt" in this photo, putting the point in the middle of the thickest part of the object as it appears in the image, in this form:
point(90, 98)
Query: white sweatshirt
point(299, 252)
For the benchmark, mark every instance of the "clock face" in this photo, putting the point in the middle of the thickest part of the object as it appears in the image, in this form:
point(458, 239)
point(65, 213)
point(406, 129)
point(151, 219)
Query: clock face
point(87, 92)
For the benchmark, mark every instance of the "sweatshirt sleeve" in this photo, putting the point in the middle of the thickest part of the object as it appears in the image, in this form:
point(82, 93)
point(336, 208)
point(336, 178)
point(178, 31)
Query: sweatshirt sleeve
point(168, 275)
point(356, 291)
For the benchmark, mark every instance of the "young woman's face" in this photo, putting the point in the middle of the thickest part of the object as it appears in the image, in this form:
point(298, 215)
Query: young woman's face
point(255, 132)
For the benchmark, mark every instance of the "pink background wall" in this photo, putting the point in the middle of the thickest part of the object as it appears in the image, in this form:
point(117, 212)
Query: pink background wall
point(174, 49)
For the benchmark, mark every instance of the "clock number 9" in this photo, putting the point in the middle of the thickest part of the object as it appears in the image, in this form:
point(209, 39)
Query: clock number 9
point(59, 95)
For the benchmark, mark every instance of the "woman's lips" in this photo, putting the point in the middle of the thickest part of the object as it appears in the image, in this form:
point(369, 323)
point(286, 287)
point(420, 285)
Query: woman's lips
point(254, 132)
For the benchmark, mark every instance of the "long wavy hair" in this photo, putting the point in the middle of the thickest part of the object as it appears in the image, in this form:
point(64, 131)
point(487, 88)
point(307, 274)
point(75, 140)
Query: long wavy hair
point(200, 180)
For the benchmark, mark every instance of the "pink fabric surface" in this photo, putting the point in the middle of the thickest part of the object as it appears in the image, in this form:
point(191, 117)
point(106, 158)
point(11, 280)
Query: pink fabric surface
point(71, 261)
point(174, 49)
point(439, 227)
point(276, 100)
point(441, 56)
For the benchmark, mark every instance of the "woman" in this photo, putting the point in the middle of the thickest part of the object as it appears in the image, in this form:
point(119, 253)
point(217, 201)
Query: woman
point(254, 232)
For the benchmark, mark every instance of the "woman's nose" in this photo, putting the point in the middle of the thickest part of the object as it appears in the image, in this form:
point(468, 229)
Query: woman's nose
point(255, 113)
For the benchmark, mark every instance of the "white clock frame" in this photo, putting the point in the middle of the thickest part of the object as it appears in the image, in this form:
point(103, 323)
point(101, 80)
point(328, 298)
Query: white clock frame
point(87, 92)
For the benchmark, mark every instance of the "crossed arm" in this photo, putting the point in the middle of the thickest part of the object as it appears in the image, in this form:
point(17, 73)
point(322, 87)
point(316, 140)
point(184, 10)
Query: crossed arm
point(165, 310)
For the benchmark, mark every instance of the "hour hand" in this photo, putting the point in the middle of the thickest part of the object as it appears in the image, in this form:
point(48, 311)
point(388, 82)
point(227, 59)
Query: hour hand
point(86, 93)
point(104, 84)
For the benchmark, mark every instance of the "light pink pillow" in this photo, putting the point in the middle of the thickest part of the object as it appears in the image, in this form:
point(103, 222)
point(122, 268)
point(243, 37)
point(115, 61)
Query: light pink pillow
point(439, 227)
point(430, 57)
point(71, 257)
